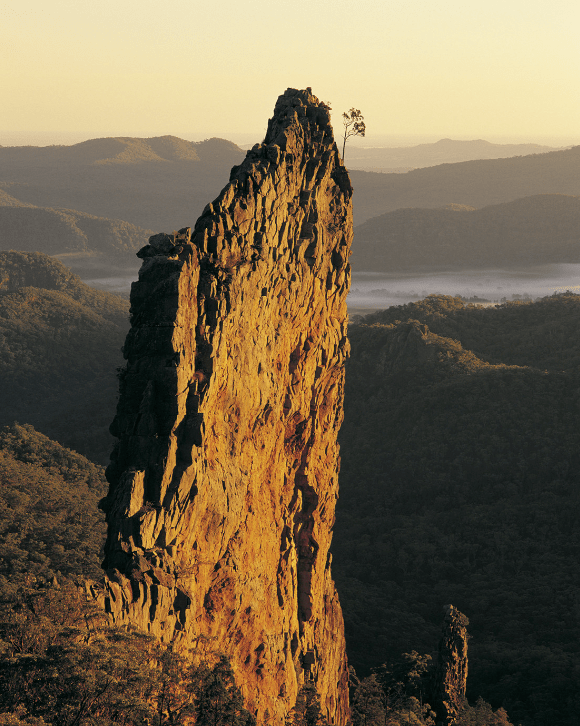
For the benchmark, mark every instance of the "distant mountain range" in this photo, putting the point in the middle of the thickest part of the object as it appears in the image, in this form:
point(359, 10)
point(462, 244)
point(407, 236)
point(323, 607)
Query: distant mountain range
point(161, 183)
point(530, 231)
point(121, 150)
point(444, 151)
point(474, 183)
point(70, 200)
point(164, 183)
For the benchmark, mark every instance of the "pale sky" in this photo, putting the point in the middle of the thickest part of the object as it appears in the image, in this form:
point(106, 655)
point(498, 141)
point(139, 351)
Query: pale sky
point(495, 69)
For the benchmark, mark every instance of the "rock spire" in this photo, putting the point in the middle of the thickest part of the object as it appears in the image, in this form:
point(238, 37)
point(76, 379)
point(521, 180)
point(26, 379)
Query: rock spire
point(451, 673)
point(224, 480)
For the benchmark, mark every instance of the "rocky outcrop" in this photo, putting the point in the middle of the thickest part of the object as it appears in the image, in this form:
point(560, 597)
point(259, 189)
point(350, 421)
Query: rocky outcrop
point(224, 481)
point(402, 348)
point(450, 678)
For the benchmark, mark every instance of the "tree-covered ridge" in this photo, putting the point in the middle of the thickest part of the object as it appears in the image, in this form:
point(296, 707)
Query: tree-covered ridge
point(534, 230)
point(459, 483)
point(35, 269)
point(9, 200)
point(50, 525)
point(544, 334)
point(60, 345)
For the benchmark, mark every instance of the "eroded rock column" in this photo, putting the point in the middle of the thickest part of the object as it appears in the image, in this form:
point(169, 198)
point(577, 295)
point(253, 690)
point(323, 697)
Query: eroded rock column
point(450, 679)
point(224, 479)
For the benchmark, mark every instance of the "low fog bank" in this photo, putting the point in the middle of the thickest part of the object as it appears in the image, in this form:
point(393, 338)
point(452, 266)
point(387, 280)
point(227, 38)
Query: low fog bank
point(377, 291)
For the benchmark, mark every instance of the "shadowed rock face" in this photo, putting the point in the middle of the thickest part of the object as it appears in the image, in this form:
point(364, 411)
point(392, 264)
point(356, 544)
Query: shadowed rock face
point(451, 674)
point(224, 480)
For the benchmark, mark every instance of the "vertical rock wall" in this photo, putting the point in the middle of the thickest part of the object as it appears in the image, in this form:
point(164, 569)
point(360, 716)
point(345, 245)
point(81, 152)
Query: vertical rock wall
point(224, 480)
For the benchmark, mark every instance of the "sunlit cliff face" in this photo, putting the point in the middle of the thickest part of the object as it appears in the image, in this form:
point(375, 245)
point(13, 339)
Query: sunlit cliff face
point(224, 480)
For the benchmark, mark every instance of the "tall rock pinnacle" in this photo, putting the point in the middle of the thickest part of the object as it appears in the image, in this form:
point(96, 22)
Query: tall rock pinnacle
point(224, 480)
point(450, 678)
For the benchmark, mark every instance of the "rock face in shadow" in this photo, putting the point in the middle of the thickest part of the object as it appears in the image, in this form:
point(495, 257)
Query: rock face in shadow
point(224, 480)
point(450, 678)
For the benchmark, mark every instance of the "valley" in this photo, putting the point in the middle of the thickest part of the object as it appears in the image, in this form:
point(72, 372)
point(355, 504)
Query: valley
point(459, 446)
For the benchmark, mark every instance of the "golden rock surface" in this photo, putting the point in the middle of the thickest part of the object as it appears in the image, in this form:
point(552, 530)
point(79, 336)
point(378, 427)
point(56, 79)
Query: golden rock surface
point(224, 479)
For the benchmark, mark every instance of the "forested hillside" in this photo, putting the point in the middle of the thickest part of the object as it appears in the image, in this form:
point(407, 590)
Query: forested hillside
point(58, 231)
point(50, 524)
point(460, 483)
point(60, 659)
point(460, 478)
point(530, 231)
point(60, 345)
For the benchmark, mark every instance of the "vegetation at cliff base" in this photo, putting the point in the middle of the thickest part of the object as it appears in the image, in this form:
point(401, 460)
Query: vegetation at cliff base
point(397, 693)
point(62, 664)
point(60, 661)
point(50, 524)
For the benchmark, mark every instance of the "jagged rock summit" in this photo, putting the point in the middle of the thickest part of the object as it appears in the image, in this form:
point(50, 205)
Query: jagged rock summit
point(224, 480)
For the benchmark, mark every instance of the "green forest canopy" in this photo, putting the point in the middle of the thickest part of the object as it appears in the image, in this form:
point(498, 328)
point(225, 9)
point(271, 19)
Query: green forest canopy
point(459, 483)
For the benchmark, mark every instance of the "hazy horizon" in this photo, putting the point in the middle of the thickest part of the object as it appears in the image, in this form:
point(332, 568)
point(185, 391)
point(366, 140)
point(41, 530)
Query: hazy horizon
point(372, 140)
point(478, 70)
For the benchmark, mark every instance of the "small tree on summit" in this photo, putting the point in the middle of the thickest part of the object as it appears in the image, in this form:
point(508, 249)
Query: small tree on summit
point(354, 125)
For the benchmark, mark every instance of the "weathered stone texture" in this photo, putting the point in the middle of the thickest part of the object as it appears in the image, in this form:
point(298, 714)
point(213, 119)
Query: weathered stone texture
point(224, 480)
point(450, 678)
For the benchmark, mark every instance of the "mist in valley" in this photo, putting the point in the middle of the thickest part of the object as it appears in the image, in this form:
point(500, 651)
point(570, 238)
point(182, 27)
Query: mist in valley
point(376, 290)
